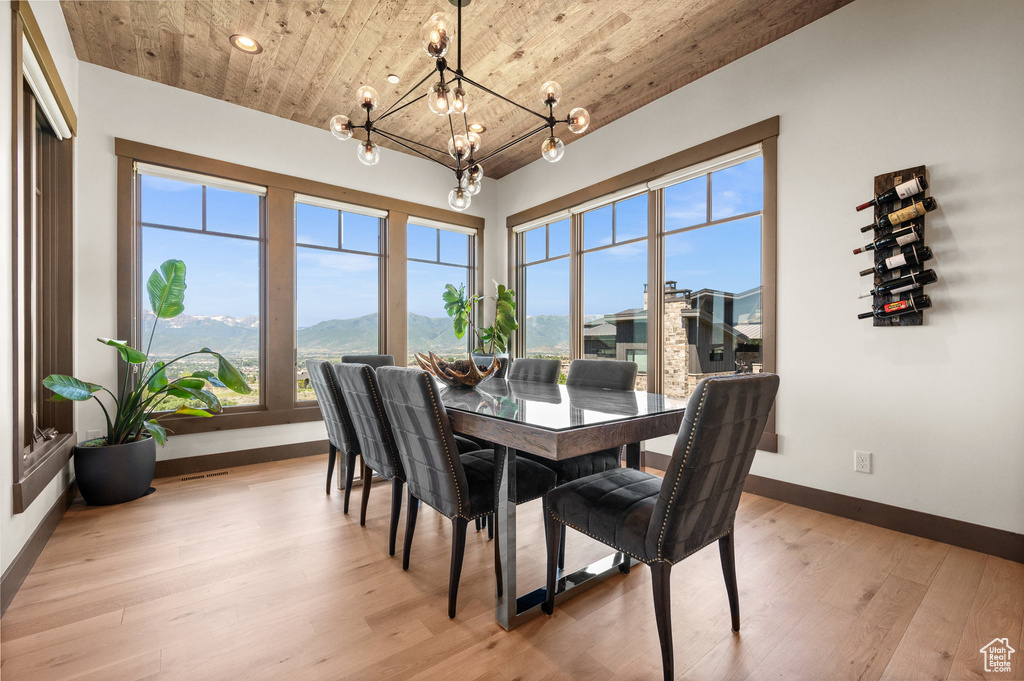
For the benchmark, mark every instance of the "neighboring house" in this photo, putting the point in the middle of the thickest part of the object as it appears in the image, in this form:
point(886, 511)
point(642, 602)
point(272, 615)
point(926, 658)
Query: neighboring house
point(707, 332)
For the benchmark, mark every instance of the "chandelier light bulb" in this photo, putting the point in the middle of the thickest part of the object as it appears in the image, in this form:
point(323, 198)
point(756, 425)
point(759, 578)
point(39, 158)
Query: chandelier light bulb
point(476, 172)
point(471, 186)
point(579, 120)
point(369, 153)
point(368, 97)
point(459, 146)
point(552, 92)
point(459, 104)
point(459, 199)
point(474, 141)
point(436, 35)
point(341, 127)
point(439, 100)
point(552, 149)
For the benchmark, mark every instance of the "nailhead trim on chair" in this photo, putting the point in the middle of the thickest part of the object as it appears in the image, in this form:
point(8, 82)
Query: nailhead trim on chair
point(675, 485)
point(447, 452)
point(617, 548)
point(381, 416)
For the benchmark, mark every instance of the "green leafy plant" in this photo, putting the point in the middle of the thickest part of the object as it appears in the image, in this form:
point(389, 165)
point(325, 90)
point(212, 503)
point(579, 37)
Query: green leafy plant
point(490, 339)
point(145, 385)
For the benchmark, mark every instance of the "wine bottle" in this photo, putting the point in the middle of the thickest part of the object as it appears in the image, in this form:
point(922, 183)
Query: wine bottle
point(910, 254)
point(903, 214)
point(901, 191)
point(900, 237)
point(914, 280)
point(900, 307)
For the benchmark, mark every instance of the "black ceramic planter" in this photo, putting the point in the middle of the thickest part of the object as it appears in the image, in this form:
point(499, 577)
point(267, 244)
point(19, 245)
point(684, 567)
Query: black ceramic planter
point(115, 474)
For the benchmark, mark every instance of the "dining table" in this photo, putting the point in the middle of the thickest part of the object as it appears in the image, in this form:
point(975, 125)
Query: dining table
point(555, 422)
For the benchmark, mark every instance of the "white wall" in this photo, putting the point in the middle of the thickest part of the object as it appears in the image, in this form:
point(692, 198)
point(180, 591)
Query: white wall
point(15, 530)
point(870, 88)
point(117, 105)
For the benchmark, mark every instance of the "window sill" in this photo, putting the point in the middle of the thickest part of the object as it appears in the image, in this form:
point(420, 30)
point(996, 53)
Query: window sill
point(242, 417)
point(54, 456)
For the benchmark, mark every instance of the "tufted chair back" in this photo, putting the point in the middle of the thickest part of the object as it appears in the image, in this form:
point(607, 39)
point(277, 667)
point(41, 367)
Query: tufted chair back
point(373, 360)
point(332, 406)
point(426, 447)
point(358, 383)
point(535, 370)
point(612, 374)
point(724, 420)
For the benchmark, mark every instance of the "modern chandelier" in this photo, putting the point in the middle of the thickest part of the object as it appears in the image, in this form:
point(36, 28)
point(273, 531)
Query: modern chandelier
point(447, 97)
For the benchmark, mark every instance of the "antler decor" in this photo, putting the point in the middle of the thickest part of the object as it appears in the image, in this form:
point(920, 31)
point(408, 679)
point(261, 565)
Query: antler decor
point(463, 373)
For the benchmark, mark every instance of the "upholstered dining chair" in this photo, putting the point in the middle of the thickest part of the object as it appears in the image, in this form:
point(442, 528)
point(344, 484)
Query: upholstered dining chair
point(530, 370)
point(373, 360)
point(460, 487)
point(608, 374)
point(358, 384)
point(661, 522)
point(535, 370)
point(340, 436)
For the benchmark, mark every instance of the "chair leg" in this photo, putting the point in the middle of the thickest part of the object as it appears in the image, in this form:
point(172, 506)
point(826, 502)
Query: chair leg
point(661, 581)
point(396, 511)
point(350, 469)
point(331, 456)
point(561, 549)
point(553, 539)
point(458, 551)
point(410, 527)
point(479, 524)
point(727, 550)
point(367, 482)
point(490, 526)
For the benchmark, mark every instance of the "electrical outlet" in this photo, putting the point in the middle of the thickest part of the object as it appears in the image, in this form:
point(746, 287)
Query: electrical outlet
point(93, 434)
point(862, 462)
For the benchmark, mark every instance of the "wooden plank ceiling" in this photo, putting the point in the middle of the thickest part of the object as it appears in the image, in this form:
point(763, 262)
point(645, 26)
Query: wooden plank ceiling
point(610, 57)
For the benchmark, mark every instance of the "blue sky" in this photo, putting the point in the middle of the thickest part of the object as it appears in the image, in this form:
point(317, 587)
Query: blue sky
point(223, 273)
point(725, 257)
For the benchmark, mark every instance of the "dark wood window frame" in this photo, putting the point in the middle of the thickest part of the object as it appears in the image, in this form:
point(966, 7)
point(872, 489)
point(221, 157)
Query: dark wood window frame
point(277, 371)
point(766, 134)
point(42, 266)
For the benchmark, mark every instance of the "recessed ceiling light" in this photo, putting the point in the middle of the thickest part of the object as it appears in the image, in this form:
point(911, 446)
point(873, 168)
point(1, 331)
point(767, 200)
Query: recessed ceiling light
point(392, 78)
point(246, 44)
point(476, 127)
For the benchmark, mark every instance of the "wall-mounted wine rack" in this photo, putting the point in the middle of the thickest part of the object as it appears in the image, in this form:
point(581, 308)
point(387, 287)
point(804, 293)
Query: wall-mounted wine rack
point(884, 183)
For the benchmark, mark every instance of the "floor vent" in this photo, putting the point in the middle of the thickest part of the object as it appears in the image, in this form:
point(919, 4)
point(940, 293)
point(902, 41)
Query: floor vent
point(202, 476)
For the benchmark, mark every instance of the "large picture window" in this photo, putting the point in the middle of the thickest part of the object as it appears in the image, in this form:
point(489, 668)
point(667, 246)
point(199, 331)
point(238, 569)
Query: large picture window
point(216, 229)
point(614, 283)
point(280, 270)
point(437, 255)
point(670, 265)
point(543, 305)
point(337, 283)
point(712, 264)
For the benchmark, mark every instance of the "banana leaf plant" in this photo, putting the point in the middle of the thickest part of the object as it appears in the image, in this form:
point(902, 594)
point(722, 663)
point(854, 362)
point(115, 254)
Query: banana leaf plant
point(489, 339)
point(133, 412)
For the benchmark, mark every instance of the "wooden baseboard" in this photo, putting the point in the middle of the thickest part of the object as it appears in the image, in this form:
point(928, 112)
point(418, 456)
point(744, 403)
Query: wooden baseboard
point(18, 570)
point(244, 457)
point(996, 542)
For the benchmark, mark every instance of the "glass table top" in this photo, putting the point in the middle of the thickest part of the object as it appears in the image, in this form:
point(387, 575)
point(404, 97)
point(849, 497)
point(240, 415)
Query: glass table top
point(556, 407)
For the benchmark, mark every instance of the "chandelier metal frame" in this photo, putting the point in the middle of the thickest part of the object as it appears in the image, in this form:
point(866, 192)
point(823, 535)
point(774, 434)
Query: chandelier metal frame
point(462, 145)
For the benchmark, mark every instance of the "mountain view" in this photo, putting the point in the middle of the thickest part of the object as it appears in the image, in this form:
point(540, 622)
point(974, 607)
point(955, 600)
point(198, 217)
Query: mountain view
point(238, 337)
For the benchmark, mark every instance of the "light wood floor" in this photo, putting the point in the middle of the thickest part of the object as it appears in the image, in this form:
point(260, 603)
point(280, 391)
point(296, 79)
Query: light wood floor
point(258, 575)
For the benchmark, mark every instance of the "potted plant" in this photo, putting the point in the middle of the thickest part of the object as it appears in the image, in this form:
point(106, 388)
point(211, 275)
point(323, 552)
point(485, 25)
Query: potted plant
point(490, 340)
point(119, 466)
